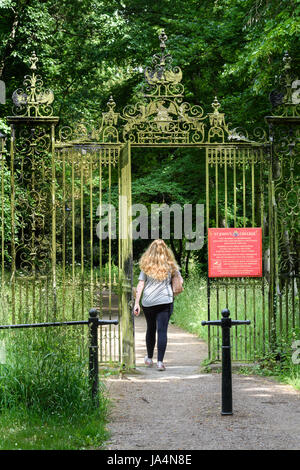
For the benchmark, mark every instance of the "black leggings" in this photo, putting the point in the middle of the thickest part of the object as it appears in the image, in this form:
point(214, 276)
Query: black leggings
point(157, 318)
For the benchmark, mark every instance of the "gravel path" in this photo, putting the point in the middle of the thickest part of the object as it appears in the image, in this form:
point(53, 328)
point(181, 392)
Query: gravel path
point(179, 409)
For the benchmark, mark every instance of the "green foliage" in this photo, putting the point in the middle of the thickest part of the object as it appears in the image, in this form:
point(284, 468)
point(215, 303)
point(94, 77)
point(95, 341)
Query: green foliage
point(4, 128)
point(89, 50)
point(45, 398)
point(46, 373)
point(232, 48)
point(190, 307)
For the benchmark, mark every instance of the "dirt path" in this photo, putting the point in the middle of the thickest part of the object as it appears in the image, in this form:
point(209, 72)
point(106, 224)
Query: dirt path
point(179, 409)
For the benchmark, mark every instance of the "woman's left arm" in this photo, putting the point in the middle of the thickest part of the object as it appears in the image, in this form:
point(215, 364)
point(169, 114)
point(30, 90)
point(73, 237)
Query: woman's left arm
point(139, 290)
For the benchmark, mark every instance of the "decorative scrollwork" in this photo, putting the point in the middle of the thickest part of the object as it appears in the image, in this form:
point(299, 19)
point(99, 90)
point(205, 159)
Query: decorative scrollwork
point(33, 100)
point(286, 176)
point(86, 135)
point(161, 75)
point(163, 118)
point(238, 134)
point(32, 205)
point(218, 127)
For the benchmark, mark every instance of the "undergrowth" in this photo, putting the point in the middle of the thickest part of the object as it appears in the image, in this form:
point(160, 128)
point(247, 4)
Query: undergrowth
point(45, 399)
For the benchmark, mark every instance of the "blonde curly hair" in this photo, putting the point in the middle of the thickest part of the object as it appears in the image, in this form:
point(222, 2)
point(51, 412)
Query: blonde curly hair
point(158, 261)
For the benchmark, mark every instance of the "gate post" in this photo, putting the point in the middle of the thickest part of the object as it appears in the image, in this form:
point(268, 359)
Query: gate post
point(126, 260)
point(32, 141)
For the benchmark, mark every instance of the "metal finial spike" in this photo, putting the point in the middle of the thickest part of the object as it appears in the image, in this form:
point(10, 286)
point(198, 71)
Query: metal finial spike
point(111, 103)
point(163, 38)
point(215, 104)
point(33, 60)
point(287, 60)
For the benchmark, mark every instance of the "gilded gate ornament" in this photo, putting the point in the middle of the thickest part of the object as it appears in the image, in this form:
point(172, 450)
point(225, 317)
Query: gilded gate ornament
point(161, 74)
point(217, 123)
point(163, 117)
point(33, 100)
point(84, 135)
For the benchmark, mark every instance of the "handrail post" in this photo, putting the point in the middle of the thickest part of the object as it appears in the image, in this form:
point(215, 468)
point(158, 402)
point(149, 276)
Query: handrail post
point(93, 355)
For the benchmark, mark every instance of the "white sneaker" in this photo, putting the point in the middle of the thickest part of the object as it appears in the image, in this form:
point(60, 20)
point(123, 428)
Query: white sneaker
point(160, 366)
point(148, 362)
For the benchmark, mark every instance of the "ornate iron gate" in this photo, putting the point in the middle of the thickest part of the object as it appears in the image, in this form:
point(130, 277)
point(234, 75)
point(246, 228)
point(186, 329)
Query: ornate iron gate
point(60, 263)
point(56, 265)
point(284, 204)
point(235, 197)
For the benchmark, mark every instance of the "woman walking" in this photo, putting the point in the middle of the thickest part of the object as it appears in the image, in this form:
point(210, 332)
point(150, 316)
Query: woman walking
point(158, 266)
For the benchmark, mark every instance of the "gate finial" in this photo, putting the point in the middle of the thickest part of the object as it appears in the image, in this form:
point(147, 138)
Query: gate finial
point(161, 73)
point(287, 100)
point(33, 60)
point(33, 101)
point(163, 38)
point(217, 123)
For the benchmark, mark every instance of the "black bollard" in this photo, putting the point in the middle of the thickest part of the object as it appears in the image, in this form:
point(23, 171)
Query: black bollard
point(226, 364)
point(93, 354)
point(226, 324)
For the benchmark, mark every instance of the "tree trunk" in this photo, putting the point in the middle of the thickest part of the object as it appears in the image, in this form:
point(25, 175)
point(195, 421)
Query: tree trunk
point(187, 259)
point(12, 36)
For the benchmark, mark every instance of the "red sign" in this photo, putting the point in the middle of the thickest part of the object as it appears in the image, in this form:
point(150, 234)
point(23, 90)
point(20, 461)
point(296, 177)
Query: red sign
point(234, 252)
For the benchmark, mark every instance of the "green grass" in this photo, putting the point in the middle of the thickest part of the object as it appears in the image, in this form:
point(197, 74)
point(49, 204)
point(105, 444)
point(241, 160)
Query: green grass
point(284, 372)
point(45, 400)
point(22, 429)
point(190, 307)
point(248, 342)
point(291, 378)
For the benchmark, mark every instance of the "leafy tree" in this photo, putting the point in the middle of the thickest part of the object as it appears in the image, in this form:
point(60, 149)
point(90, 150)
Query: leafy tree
point(90, 49)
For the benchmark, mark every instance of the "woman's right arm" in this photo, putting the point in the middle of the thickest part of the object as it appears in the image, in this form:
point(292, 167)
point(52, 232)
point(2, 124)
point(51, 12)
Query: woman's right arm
point(139, 290)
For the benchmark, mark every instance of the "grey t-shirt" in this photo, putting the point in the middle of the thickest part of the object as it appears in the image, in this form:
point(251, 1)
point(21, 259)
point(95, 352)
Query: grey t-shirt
point(156, 292)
